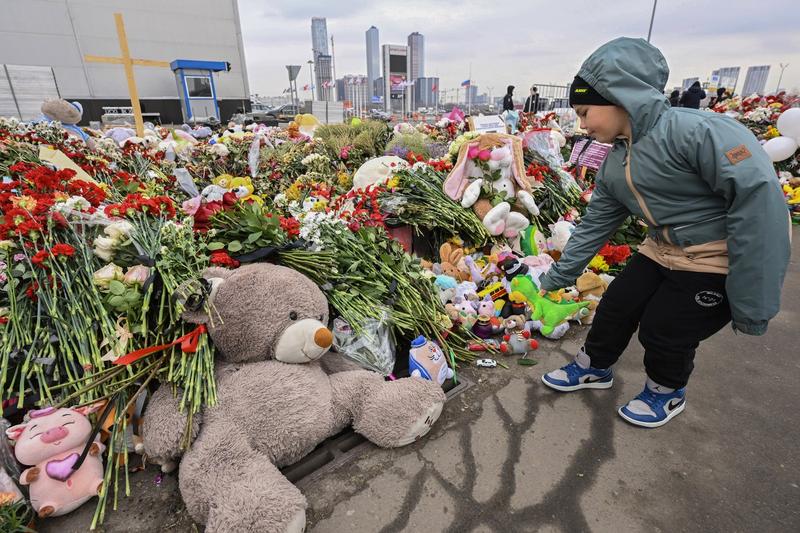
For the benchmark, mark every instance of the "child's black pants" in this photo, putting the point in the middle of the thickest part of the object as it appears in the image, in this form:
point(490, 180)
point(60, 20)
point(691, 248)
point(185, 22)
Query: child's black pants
point(674, 310)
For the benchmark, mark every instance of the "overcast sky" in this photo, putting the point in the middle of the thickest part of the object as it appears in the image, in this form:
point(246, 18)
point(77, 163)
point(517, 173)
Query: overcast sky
point(526, 41)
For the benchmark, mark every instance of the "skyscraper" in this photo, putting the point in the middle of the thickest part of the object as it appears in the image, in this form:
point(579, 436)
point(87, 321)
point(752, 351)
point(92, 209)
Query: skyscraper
point(416, 56)
point(373, 59)
point(756, 80)
point(322, 60)
point(319, 36)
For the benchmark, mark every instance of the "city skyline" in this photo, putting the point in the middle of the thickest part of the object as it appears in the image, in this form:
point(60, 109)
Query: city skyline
point(276, 34)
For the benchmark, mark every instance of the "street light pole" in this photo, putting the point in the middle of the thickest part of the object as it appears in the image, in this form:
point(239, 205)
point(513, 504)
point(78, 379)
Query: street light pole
point(780, 78)
point(311, 79)
point(652, 16)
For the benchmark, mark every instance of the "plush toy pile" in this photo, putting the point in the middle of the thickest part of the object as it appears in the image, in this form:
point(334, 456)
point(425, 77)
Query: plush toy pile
point(199, 258)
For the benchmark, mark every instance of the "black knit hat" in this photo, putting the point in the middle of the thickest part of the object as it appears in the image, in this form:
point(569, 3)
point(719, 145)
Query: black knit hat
point(581, 93)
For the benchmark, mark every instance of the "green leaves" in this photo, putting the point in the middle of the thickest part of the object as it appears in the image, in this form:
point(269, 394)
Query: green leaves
point(116, 288)
point(234, 246)
point(213, 246)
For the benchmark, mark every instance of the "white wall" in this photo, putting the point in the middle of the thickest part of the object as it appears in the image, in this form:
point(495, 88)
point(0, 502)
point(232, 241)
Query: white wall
point(58, 33)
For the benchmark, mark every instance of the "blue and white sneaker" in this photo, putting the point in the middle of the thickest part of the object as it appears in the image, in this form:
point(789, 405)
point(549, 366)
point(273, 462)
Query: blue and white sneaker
point(651, 409)
point(574, 377)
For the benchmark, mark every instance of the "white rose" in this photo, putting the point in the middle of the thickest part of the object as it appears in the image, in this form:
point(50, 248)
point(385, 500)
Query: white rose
point(104, 276)
point(118, 230)
point(137, 274)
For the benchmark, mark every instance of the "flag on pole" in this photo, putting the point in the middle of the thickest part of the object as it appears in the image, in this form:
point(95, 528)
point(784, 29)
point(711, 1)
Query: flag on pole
point(466, 83)
point(433, 88)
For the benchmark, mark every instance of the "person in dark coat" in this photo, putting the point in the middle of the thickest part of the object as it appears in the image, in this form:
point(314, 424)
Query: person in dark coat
point(721, 97)
point(674, 97)
point(532, 102)
point(693, 96)
point(508, 99)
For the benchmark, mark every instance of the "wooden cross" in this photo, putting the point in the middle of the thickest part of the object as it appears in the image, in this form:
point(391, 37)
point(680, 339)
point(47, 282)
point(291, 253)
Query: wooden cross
point(128, 63)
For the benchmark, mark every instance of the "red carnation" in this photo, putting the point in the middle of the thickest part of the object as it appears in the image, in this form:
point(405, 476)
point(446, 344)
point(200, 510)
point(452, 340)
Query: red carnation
point(223, 259)
point(63, 249)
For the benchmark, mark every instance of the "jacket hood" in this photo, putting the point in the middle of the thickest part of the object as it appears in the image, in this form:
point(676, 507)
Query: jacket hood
point(632, 74)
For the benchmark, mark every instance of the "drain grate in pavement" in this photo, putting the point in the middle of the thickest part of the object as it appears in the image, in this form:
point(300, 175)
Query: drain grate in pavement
point(345, 446)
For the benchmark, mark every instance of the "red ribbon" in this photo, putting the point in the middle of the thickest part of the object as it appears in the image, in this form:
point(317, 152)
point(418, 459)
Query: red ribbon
point(188, 344)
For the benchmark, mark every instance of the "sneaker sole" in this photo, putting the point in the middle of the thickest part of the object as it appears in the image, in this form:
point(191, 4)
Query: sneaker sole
point(571, 388)
point(675, 412)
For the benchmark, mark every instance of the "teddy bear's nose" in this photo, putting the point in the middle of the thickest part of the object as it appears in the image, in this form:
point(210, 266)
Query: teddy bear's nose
point(323, 337)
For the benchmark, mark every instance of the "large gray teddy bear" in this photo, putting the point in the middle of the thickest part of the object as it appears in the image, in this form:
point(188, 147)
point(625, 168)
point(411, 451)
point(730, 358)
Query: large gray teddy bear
point(275, 402)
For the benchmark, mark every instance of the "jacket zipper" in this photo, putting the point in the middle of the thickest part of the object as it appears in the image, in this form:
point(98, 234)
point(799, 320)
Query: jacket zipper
point(701, 222)
point(639, 198)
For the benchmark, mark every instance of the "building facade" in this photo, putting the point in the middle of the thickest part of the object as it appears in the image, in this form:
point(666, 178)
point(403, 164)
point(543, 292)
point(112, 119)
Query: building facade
point(58, 35)
point(324, 77)
point(756, 80)
point(426, 92)
point(416, 56)
point(395, 78)
point(373, 59)
point(356, 92)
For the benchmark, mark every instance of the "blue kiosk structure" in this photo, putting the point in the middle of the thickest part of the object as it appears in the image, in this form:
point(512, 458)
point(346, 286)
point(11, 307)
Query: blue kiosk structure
point(196, 88)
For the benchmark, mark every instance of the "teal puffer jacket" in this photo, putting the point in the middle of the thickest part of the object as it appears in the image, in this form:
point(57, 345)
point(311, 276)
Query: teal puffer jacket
point(693, 176)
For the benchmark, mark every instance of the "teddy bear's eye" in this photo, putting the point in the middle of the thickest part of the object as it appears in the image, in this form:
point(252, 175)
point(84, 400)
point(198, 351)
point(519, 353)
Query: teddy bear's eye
point(292, 316)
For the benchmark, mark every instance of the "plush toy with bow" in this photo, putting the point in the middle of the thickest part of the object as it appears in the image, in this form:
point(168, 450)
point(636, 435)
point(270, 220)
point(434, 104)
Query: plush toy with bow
point(489, 177)
point(51, 442)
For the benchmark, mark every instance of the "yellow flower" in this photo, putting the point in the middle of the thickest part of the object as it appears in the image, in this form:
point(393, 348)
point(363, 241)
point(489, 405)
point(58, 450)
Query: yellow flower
point(293, 193)
point(344, 180)
point(772, 132)
point(598, 263)
point(393, 182)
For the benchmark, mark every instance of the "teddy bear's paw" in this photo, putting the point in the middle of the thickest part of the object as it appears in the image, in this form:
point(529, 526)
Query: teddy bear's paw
point(422, 425)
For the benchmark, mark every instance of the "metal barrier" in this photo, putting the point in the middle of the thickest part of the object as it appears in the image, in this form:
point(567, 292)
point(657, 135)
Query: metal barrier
point(551, 96)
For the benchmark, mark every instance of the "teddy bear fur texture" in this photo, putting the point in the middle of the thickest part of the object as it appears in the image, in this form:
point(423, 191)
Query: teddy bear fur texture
point(271, 413)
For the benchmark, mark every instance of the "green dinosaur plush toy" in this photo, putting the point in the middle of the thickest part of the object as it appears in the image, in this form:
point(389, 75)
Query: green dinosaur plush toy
point(549, 313)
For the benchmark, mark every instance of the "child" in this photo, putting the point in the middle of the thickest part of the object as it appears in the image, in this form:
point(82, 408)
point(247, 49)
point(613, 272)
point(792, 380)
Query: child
point(718, 241)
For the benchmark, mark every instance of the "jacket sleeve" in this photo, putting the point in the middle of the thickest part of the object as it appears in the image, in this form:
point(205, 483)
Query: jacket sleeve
point(733, 163)
point(603, 216)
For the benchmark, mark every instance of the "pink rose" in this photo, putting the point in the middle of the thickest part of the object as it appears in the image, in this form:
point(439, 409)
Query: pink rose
point(191, 206)
point(484, 155)
point(473, 152)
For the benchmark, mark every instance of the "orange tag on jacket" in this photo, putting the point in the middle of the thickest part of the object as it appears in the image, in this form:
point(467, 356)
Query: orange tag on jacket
point(738, 154)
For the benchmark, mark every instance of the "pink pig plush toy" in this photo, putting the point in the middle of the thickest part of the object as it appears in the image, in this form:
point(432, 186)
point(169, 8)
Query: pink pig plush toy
point(51, 442)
